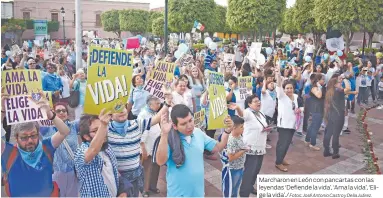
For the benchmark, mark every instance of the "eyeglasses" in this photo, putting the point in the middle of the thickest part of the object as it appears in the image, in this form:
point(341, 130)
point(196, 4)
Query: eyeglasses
point(26, 138)
point(256, 101)
point(61, 111)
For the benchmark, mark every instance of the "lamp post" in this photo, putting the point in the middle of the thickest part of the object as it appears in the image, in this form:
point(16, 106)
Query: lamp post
point(63, 15)
point(166, 27)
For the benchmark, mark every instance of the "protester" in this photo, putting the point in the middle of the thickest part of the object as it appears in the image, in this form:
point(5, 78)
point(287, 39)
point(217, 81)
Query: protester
point(151, 168)
point(181, 145)
point(78, 83)
point(334, 111)
point(95, 162)
point(63, 162)
point(27, 165)
point(137, 97)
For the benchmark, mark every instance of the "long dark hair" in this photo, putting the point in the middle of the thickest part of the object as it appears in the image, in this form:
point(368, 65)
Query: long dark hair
point(329, 100)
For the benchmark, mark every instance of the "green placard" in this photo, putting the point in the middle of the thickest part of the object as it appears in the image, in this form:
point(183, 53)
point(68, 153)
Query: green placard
point(41, 27)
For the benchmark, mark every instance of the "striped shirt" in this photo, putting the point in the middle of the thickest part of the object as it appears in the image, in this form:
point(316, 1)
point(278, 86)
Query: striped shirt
point(209, 58)
point(126, 145)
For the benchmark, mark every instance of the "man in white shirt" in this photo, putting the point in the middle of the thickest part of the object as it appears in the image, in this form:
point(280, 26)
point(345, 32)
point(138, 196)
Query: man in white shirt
point(299, 42)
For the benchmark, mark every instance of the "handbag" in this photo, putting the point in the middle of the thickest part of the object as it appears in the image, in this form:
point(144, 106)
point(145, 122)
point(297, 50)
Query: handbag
point(74, 98)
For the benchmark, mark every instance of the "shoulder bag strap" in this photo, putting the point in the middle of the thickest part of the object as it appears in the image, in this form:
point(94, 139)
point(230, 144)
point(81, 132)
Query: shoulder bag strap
point(71, 154)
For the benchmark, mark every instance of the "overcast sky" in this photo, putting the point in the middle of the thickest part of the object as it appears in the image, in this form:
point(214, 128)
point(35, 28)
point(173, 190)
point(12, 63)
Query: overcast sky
point(161, 3)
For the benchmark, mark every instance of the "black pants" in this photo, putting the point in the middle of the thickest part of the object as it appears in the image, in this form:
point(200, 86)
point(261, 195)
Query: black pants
point(285, 136)
point(209, 133)
point(253, 165)
point(372, 90)
point(306, 115)
point(333, 129)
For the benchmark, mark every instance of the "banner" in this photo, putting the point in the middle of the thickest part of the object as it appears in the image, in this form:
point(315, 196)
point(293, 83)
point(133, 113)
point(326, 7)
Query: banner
point(40, 27)
point(199, 118)
point(160, 77)
point(228, 58)
point(18, 84)
point(217, 98)
point(109, 78)
point(245, 87)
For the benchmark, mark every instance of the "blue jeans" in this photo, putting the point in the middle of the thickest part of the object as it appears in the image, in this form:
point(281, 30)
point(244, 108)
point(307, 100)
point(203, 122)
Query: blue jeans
point(314, 128)
point(236, 179)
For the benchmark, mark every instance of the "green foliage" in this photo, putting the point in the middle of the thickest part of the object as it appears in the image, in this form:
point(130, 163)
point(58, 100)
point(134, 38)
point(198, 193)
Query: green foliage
point(158, 26)
point(14, 25)
point(30, 24)
point(262, 15)
point(304, 20)
point(220, 17)
point(199, 46)
point(111, 21)
point(153, 15)
point(134, 21)
point(183, 13)
point(53, 26)
point(287, 25)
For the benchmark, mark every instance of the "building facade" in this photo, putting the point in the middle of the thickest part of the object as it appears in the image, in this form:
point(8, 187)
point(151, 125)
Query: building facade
point(90, 11)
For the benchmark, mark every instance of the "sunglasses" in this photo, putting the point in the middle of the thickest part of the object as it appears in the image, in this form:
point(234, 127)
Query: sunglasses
point(61, 111)
point(26, 138)
point(293, 104)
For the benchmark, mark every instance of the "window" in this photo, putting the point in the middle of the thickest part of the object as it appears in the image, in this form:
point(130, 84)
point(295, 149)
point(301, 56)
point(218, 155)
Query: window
point(55, 16)
point(26, 15)
point(98, 20)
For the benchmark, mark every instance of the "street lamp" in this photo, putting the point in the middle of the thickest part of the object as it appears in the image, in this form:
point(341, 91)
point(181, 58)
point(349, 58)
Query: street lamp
point(63, 15)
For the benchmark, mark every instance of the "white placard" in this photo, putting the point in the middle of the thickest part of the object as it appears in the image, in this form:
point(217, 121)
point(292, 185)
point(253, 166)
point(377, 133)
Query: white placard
point(228, 58)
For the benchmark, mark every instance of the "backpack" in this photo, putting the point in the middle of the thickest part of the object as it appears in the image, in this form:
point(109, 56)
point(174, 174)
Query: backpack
point(11, 161)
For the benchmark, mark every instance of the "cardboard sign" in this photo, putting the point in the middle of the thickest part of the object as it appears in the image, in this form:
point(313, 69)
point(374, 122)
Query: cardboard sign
point(245, 87)
point(228, 58)
point(199, 118)
point(18, 85)
point(254, 51)
point(185, 60)
point(217, 100)
point(160, 77)
point(109, 78)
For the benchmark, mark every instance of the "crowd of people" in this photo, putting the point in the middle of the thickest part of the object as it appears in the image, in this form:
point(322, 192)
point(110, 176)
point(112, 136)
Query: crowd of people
point(297, 91)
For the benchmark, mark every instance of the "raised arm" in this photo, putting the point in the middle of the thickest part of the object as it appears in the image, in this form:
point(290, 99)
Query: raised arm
point(99, 138)
point(225, 136)
point(162, 150)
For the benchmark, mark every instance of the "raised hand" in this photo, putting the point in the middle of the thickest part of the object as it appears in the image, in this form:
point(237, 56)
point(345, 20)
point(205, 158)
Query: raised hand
point(104, 117)
point(229, 123)
point(166, 124)
point(40, 100)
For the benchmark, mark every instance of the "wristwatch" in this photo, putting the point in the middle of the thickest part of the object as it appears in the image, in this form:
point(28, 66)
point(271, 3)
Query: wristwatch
point(54, 115)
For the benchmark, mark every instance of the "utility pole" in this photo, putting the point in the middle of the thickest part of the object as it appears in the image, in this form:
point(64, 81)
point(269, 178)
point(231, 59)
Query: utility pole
point(166, 27)
point(78, 35)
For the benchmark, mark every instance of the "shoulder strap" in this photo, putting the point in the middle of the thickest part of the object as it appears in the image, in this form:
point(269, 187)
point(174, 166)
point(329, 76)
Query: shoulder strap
point(10, 162)
point(71, 154)
point(47, 153)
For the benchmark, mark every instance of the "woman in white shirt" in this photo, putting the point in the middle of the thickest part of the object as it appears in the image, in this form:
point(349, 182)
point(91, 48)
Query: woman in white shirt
point(180, 96)
point(188, 96)
point(151, 169)
point(310, 47)
point(254, 136)
point(288, 111)
point(65, 81)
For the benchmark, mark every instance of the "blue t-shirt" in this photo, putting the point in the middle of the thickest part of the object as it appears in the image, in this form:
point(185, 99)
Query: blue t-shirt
point(177, 72)
point(81, 86)
point(188, 180)
point(25, 181)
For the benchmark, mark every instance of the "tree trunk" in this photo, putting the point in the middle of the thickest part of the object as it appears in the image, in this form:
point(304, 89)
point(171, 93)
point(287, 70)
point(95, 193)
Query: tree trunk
point(317, 40)
point(348, 39)
point(211, 34)
point(254, 34)
point(370, 36)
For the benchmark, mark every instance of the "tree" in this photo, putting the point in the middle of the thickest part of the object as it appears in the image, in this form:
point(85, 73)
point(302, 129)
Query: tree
point(111, 22)
point(183, 13)
point(261, 15)
point(158, 26)
point(340, 15)
point(153, 15)
point(15, 26)
point(372, 21)
point(304, 20)
point(134, 21)
point(287, 25)
point(53, 26)
point(220, 18)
